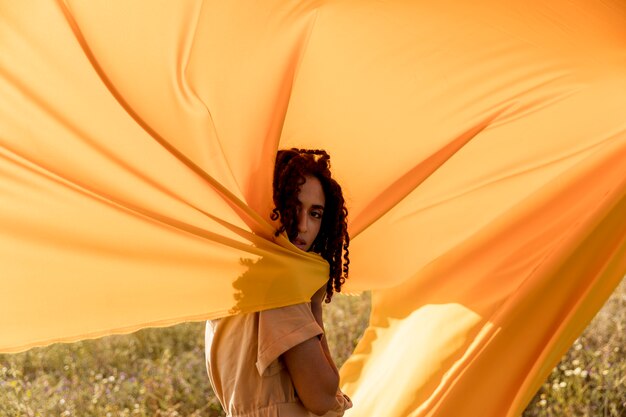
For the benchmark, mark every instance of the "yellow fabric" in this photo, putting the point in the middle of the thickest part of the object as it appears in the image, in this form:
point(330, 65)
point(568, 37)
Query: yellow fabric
point(481, 147)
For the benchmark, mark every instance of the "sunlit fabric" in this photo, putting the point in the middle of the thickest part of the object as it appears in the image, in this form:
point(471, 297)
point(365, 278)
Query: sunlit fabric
point(481, 147)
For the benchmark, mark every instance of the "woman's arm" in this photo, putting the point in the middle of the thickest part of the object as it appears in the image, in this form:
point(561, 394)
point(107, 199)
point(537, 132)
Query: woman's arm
point(312, 369)
point(313, 377)
point(316, 308)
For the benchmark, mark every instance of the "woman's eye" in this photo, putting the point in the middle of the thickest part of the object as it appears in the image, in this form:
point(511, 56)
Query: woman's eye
point(316, 214)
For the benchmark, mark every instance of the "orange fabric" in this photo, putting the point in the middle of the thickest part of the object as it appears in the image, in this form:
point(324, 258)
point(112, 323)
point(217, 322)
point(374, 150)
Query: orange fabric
point(481, 147)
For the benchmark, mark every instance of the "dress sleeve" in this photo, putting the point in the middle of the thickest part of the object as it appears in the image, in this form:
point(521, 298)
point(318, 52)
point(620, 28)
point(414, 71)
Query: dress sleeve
point(282, 328)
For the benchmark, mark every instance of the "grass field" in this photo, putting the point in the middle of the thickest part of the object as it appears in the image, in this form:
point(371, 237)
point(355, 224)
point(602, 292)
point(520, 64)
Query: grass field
point(161, 372)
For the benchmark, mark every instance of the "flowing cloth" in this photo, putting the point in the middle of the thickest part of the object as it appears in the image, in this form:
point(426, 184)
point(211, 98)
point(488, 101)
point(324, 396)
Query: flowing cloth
point(481, 147)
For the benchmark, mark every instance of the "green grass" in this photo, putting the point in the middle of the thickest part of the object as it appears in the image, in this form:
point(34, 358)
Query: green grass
point(161, 372)
point(590, 380)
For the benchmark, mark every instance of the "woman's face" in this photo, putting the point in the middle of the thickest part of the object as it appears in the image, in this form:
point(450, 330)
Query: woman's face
point(310, 212)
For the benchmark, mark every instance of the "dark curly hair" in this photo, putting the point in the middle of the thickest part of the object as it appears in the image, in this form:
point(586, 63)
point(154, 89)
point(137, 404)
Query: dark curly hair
point(332, 241)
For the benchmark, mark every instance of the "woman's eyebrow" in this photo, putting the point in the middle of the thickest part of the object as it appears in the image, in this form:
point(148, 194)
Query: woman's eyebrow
point(317, 206)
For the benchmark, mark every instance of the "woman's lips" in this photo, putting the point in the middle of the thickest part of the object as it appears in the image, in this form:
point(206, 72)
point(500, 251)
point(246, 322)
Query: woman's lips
point(299, 243)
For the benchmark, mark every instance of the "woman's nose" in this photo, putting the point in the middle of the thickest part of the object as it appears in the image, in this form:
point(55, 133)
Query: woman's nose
point(302, 223)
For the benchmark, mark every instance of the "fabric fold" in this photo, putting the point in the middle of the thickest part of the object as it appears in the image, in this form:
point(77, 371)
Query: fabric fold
point(481, 148)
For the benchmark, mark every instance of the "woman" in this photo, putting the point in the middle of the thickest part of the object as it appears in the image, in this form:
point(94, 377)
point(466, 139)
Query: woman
point(277, 362)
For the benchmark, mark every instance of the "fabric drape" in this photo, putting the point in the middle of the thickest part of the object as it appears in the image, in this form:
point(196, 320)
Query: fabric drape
point(481, 147)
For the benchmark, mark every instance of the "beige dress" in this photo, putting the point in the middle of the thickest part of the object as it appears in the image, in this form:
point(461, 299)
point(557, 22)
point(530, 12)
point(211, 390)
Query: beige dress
point(244, 363)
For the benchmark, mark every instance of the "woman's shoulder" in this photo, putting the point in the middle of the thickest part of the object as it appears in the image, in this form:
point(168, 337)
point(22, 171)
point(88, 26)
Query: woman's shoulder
point(265, 323)
point(299, 308)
